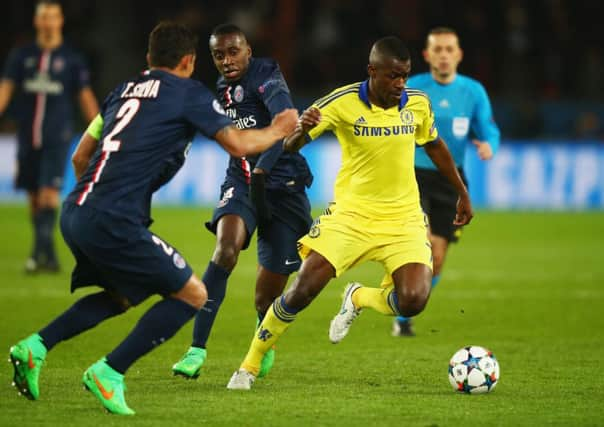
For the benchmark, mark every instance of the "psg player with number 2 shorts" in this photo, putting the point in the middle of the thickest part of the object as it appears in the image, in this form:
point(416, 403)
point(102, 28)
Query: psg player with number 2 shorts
point(136, 145)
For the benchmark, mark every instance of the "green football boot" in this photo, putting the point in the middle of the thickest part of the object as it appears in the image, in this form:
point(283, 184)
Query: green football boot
point(27, 357)
point(267, 363)
point(190, 364)
point(108, 386)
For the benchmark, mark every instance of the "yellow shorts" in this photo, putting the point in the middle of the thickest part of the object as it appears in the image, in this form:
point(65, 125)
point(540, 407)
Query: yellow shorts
point(346, 239)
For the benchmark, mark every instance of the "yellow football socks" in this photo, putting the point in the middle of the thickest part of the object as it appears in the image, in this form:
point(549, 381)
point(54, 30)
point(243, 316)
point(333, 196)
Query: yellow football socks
point(380, 299)
point(275, 322)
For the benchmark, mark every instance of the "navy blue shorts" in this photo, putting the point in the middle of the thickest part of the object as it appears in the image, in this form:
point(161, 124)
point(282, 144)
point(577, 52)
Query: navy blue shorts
point(44, 167)
point(277, 240)
point(120, 256)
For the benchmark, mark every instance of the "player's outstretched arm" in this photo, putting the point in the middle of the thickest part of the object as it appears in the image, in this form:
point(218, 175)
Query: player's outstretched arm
point(441, 157)
point(308, 120)
point(241, 143)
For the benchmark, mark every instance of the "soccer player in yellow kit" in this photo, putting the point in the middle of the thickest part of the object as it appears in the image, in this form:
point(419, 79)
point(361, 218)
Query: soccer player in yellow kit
point(378, 216)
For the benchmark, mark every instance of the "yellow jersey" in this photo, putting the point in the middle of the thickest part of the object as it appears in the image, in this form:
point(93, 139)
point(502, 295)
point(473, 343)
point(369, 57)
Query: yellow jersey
point(377, 177)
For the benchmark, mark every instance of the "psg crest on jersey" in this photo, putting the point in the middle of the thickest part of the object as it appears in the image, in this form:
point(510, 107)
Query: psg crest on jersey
point(238, 94)
point(179, 261)
point(406, 117)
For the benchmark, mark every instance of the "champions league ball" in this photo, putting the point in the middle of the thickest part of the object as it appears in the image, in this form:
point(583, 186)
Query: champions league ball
point(474, 370)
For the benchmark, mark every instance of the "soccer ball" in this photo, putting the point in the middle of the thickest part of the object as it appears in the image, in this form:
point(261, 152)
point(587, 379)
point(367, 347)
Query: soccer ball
point(473, 369)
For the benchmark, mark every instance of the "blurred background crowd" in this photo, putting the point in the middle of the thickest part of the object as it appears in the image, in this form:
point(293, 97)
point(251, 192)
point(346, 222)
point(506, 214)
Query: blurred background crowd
point(541, 60)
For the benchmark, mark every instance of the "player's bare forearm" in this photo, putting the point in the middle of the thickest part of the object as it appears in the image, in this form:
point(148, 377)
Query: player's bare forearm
point(7, 88)
point(83, 153)
point(241, 143)
point(233, 141)
point(88, 104)
point(295, 141)
point(440, 155)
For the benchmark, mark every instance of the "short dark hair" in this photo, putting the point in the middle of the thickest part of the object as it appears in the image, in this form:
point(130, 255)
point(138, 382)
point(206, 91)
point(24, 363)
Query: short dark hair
point(441, 30)
point(391, 47)
point(223, 29)
point(47, 3)
point(169, 42)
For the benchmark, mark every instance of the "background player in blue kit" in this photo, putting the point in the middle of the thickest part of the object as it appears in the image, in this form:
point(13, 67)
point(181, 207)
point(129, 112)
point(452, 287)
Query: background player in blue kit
point(265, 191)
point(145, 129)
point(463, 115)
point(44, 78)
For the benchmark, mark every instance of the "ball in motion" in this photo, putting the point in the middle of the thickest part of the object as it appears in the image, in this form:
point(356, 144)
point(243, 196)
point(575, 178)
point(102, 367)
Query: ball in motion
point(474, 370)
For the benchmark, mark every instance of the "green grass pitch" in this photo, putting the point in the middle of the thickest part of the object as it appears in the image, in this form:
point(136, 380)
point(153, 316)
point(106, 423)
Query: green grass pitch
point(528, 286)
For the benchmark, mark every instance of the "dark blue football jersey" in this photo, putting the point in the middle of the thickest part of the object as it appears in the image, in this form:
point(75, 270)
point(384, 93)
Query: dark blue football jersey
point(252, 102)
point(148, 125)
point(46, 83)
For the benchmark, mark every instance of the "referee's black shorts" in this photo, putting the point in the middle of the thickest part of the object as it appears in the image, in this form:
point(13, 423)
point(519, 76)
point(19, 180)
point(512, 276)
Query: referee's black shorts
point(439, 201)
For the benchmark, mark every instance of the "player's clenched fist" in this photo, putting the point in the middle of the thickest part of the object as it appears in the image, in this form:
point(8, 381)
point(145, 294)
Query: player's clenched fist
point(309, 119)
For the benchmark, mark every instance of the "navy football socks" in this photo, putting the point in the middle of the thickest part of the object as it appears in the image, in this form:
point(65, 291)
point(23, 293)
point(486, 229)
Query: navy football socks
point(215, 279)
point(36, 252)
point(44, 223)
point(157, 325)
point(83, 315)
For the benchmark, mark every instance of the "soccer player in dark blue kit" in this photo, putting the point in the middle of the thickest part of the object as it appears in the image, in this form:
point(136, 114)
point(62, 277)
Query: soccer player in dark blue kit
point(136, 145)
point(265, 192)
point(44, 78)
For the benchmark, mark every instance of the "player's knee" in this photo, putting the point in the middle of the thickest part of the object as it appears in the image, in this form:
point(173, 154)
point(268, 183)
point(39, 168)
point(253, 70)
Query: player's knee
point(226, 256)
point(199, 298)
point(193, 293)
point(200, 295)
point(48, 197)
point(411, 307)
point(413, 301)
